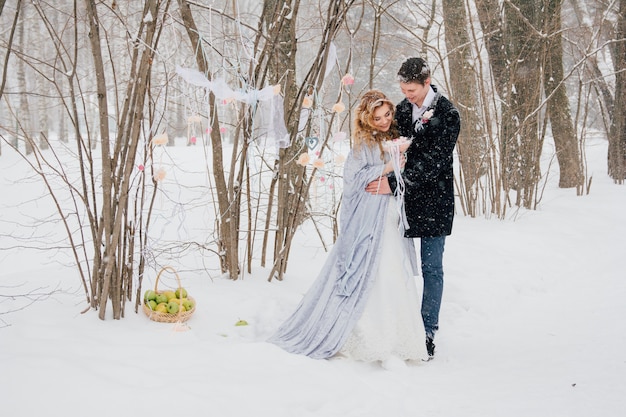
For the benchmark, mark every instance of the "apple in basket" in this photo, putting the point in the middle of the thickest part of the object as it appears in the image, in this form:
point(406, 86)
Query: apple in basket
point(161, 298)
point(173, 307)
point(180, 292)
point(187, 304)
point(152, 304)
point(149, 295)
point(181, 307)
point(161, 308)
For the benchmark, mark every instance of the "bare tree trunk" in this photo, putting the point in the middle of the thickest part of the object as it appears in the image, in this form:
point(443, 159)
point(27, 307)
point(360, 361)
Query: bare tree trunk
point(489, 14)
point(24, 115)
point(228, 235)
point(515, 56)
point(118, 161)
point(14, 26)
point(5, 64)
point(41, 123)
point(471, 145)
point(520, 141)
point(105, 271)
point(563, 131)
point(293, 189)
point(58, 113)
point(493, 27)
point(598, 80)
point(279, 62)
point(617, 134)
point(376, 32)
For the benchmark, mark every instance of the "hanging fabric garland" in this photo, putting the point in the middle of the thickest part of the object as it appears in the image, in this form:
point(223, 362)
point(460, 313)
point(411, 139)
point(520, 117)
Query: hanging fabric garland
point(270, 94)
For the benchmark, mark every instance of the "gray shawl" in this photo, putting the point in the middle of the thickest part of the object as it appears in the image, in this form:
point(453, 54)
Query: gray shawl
point(330, 309)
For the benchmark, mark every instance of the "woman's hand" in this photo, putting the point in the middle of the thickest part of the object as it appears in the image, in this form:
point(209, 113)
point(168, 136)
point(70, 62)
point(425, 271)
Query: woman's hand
point(378, 186)
point(389, 165)
point(404, 146)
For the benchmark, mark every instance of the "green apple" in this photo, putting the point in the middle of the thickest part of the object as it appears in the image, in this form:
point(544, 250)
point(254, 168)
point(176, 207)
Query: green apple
point(149, 295)
point(161, 298)
point(152, 304)
point(180, 292)
point(172, 307)
point(187, 304)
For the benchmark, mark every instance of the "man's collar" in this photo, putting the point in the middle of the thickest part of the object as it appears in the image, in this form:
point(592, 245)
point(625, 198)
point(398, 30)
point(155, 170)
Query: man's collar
point(430, 96)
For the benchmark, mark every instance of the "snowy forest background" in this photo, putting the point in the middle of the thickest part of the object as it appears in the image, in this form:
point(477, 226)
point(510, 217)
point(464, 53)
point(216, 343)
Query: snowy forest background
point(252, 86)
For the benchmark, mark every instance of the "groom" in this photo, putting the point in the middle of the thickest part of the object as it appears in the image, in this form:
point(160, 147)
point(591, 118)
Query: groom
point(433, 123)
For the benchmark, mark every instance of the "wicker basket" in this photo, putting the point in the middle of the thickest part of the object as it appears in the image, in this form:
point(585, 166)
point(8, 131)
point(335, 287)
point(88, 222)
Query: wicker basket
point(179, 317)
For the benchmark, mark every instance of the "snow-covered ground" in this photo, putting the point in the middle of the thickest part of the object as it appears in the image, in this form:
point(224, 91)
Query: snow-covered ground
point(532, 324)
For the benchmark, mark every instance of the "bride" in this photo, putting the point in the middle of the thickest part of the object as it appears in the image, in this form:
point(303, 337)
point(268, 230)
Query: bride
point(365, 303)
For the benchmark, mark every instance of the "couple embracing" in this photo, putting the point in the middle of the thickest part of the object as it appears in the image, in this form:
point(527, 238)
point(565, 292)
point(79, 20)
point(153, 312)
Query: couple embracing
point(366, 303)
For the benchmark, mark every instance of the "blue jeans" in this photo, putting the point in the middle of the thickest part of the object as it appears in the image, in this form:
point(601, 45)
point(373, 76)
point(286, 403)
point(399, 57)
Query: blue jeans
point(431, 251)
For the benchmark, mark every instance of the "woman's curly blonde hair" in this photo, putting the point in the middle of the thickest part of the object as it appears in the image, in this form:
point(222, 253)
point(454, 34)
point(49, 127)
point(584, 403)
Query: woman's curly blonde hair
point(364, 130)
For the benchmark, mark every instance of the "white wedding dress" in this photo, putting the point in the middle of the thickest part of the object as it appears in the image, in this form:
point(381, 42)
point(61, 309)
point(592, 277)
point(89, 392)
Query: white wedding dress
point(391, 325)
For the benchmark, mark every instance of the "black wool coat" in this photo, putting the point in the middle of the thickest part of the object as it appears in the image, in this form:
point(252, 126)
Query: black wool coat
point(428, 174)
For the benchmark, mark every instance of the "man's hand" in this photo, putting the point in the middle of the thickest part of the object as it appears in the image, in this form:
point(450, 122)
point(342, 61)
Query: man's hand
point(379, 186)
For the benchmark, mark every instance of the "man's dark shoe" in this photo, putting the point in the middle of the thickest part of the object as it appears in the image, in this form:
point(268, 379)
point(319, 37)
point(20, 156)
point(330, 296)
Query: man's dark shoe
point(430, 347)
